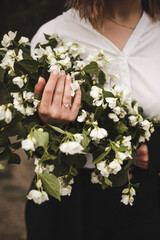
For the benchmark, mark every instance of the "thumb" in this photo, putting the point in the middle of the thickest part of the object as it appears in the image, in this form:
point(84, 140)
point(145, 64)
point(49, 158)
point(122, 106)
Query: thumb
point(39, 87)
point(143, 150)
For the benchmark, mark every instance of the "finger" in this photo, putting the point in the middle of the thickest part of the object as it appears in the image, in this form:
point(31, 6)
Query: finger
point(76, 105)
point(39, 87)
point(143, 150)
point(142, 162)
point(50, 88)
point(59, 90)
point(67, 91)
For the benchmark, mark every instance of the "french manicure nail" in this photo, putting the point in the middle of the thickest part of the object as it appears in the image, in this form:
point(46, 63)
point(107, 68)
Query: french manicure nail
point(68, 78)
point(62, 73)
point(55, 71)
point(39, 79)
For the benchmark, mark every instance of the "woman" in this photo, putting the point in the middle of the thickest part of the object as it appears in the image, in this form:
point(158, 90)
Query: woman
point(128, 32)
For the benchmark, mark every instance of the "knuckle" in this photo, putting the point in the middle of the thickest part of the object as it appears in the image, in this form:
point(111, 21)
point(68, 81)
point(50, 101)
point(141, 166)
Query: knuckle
point(72, 118)
point(43, 111)
point(48, 91)
point(68, 97)
point(77, 104)
point(59, 92)
point(55, 114)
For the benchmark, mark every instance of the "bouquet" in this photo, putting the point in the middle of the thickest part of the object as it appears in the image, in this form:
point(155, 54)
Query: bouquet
point(110, 124)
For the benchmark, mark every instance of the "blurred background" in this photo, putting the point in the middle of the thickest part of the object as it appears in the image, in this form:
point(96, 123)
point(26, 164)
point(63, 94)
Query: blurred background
point(25, 17)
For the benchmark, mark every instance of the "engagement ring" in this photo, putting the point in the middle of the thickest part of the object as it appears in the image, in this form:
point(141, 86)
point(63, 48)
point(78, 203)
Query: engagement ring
point(67, 105)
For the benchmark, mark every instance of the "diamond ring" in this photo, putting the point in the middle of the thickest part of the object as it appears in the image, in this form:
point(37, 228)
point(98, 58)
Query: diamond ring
point(67, 105)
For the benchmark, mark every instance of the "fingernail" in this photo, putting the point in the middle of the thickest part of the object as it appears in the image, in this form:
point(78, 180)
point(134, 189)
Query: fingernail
point(55, 71)
point(39, 79)
point(62, 73)
point(68, 78)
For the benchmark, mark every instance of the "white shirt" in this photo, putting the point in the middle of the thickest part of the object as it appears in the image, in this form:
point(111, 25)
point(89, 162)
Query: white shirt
point(138, 64)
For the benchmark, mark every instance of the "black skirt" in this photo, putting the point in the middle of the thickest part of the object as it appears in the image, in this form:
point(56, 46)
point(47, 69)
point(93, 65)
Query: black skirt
point(93, 213)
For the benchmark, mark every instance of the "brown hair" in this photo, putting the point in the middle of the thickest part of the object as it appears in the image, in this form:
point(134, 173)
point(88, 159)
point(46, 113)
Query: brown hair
point(94, 10)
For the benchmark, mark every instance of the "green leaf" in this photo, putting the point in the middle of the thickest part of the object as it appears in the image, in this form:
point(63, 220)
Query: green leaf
point(2, 72)
point(107, 182)
point(108, 94)
point(86, 139)
point(102, 77)
point(102, 156)
point(119, 179)
point(16, 145)
point(73, 171)
point(57, 129)
point(4, 140)
point(92, 68)
point(42, 138)
point(14, 159)
point(1, 166)
point(26, 67)
point(98, 112)
point(129, 163)
point(46, 156)
point(5, 154)
point(121, 127)
point(51, 185)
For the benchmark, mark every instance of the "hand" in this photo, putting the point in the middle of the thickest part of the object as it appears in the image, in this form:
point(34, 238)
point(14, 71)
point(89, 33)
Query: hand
point(142, 158)
point(56, 98)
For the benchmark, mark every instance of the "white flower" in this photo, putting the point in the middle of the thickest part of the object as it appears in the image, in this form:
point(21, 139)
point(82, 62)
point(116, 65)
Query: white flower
point(113, 116)
point(37, 196)
point(126, 142)
point(39, 52)
point(76, 49)
point(147, 135)
point(97, 95)
point(64, 191)
point(95, 92)
point(141, 139)
point(82, 117)
point(103, 169)
point(8, 116)
point(74, 87)
point(132, 191)
point(39, 183)
point(71, 148)
point(19, 57)
point(146, 125)
point(115, 166)
point(29, 111)
point(111, 101)
point(24, 41)
point(8, 60)
point(133, 120)
point(98, 133)
point(127, 196)
point(18, 81)
point(65, 62)
point(125, 199)
point(41, 168)
point(78, 137)
point(28, 144)
point(121, 156)
point(2, 112)
point(28, 96)
point(7, 39)
point(117, 110)
point(94, 178)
